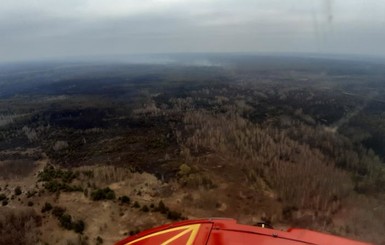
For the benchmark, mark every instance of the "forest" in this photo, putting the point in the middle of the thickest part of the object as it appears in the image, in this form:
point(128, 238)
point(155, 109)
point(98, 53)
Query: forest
point(93, 152)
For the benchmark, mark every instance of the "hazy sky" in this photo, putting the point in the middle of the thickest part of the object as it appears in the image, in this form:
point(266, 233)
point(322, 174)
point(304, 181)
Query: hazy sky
point(58, 28)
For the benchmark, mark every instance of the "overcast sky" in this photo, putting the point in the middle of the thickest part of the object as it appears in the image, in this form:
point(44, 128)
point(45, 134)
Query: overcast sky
point(35, 29)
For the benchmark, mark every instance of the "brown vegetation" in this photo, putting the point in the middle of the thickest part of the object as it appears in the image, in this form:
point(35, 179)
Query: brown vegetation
point(19, 227)
point(12, 169)
point(304, 170)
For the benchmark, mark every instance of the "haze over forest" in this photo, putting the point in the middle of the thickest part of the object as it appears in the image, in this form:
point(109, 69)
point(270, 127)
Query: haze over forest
point(291, 141)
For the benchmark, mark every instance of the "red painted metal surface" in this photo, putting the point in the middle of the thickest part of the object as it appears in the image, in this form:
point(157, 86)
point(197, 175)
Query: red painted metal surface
point(227, 231)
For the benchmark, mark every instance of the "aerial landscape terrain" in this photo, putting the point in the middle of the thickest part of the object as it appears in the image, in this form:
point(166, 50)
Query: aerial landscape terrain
point(94, 151)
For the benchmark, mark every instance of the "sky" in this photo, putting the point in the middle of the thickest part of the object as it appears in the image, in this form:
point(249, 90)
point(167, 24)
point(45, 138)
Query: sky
point(39, 29)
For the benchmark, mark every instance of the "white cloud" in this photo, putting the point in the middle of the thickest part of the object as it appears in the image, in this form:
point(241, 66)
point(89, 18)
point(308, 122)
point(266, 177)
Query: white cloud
point(54, 27)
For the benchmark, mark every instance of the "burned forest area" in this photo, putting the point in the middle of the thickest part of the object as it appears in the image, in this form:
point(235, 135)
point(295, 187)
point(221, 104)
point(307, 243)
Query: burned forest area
point(93, 152)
